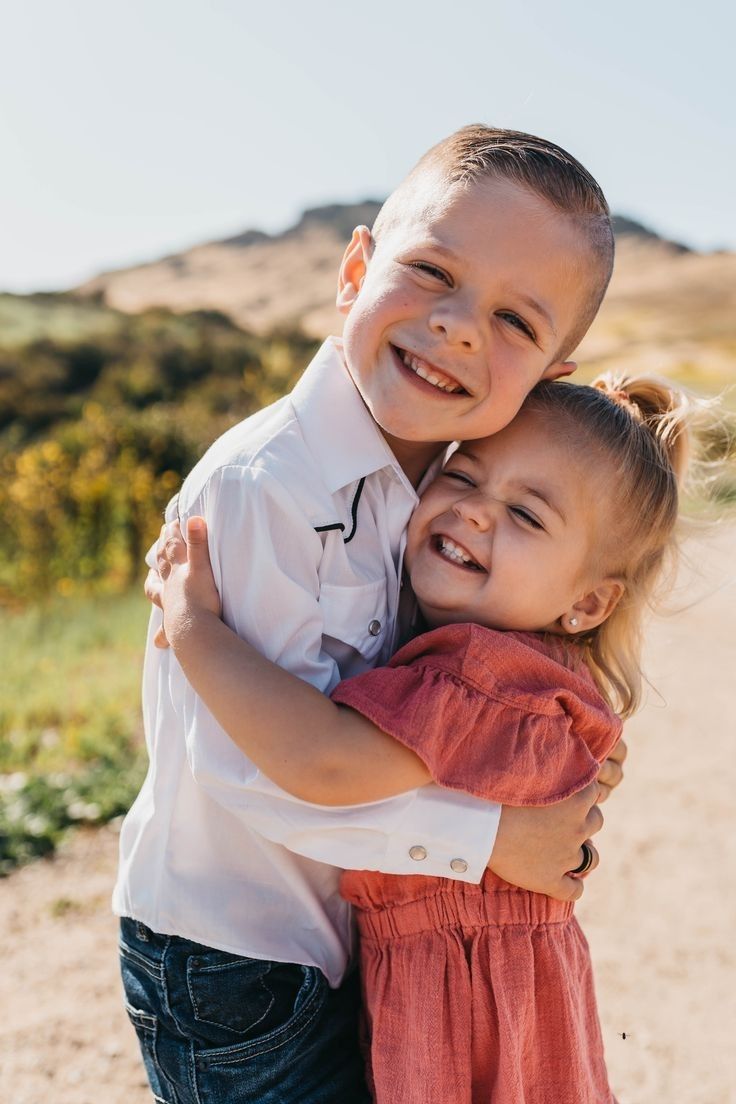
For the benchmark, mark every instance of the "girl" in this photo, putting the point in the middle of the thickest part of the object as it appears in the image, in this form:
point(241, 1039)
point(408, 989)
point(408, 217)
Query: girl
point(532, 558)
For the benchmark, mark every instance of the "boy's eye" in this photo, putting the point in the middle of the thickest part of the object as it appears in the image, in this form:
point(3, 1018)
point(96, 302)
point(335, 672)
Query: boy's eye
point(518, 323)
point(525, 517)
point(430, 270)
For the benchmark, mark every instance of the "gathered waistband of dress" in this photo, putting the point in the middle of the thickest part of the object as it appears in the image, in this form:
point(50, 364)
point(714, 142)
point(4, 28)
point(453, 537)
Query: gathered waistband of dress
point(468, 908)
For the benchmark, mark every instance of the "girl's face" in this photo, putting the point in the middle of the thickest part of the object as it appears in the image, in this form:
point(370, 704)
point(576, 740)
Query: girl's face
point(505, 535)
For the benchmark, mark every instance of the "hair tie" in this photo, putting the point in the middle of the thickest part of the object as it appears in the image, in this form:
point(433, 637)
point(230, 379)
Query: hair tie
point(620, 397)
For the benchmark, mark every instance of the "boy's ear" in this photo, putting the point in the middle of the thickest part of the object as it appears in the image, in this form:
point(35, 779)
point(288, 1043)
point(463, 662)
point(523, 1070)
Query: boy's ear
point(353, 268)
point(594, 608)
point(559, 369)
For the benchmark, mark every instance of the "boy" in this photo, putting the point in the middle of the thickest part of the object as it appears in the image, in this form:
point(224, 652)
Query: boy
point(483, 271)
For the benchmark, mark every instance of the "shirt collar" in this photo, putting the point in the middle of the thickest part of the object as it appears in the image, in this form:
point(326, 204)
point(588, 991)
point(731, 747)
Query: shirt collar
point(336, 424)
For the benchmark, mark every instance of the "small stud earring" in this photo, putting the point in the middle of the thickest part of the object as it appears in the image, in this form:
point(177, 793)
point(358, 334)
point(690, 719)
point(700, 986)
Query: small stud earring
point(573, 622)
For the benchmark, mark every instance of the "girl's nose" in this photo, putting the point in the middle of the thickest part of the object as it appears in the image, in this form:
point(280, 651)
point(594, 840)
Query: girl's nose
point(475, 510)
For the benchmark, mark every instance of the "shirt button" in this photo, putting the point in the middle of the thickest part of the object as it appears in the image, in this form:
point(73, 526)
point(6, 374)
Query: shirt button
point(417, 852)
point(374, 628)
point(459, 866)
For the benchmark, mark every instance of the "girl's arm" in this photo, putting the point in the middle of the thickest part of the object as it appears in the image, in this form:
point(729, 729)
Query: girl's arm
point(317, 750)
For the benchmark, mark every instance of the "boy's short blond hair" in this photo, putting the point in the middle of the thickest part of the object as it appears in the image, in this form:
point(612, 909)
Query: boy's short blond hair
point(476, 152)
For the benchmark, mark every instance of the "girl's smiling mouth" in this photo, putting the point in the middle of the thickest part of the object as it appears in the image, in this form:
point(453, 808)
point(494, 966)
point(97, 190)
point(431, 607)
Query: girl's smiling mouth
point(428, 372)
point(450, 550)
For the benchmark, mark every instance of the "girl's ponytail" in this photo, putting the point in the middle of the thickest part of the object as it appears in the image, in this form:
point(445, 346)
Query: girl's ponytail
point(640, 434)
point(666, 410)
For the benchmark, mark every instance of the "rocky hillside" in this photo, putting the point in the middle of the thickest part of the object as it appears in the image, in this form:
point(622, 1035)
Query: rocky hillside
point(668, 308)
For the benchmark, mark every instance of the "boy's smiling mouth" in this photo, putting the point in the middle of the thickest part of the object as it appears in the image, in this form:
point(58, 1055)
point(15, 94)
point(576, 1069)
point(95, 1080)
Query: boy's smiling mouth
point(429, 372)
point(455, 553)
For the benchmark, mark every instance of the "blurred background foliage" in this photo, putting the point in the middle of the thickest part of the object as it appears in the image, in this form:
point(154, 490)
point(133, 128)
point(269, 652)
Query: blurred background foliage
point(101, 416)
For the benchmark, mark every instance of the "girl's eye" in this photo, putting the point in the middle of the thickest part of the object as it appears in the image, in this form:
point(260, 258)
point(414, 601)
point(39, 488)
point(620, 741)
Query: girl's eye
point(430, 270)
point(525, 517)
point(517, 323)
point(459, 476)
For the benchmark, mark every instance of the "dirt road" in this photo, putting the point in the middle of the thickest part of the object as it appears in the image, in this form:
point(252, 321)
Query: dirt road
point(659, 913)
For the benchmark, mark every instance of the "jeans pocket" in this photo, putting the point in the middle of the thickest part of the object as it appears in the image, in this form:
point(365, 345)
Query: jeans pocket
point(285, 1057)
point(146, 1028)
point(242, 998)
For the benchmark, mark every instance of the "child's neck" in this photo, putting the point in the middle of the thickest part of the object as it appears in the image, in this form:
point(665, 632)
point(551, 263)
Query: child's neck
point(414, 457)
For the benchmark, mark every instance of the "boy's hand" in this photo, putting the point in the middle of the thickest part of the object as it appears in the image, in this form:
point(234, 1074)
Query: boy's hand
point(153, 590)
point(611, 772)
point(537, 848)
point(187, 585)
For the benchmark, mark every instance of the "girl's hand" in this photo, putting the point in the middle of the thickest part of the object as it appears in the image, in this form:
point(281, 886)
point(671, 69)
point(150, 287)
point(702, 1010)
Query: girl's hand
point(187, 584)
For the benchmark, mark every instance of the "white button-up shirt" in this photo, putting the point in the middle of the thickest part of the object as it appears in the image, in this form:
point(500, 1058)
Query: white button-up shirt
point(307, 510)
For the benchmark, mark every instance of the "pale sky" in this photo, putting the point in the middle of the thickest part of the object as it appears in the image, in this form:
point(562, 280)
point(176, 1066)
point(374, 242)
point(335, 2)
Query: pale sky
point(133, 130)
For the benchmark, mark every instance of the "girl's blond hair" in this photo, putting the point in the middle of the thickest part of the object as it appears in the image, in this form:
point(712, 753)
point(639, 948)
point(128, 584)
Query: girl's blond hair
point(639, 433)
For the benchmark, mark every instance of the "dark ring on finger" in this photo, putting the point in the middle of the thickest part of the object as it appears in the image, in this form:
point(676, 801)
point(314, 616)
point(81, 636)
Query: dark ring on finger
point(587, 860)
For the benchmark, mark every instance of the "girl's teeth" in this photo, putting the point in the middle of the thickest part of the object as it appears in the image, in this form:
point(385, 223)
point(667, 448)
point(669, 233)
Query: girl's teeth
point(452, 551)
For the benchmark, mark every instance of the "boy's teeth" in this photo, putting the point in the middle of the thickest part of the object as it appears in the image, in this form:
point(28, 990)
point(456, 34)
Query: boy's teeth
point(422, 369)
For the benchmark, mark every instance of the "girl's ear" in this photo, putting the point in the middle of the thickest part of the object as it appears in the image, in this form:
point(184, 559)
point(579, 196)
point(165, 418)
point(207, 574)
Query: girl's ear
point(593, 609)
point(353, 268)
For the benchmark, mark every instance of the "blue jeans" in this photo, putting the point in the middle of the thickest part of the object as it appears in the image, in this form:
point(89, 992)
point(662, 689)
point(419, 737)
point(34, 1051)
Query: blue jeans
point(215, 1028)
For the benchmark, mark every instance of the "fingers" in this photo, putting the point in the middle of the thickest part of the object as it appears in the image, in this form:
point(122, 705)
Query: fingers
point(589, 859)
point(571, 889)
point(620, 752)
point(152, 588)
point(594, 821)
point(174, 547)
point(611, 773)
point(198, 550)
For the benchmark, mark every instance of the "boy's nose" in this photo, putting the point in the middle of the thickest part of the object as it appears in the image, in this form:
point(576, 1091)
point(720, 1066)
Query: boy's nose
point(456, 325)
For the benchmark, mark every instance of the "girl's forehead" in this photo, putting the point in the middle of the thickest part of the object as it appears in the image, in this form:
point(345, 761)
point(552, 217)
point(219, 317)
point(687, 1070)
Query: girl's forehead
point(533, 447)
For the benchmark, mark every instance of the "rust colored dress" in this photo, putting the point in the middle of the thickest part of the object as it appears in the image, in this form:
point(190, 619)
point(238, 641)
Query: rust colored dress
point(481, 994)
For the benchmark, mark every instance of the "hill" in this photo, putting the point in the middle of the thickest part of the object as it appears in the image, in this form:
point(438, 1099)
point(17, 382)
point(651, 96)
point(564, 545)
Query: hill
point(668, 308)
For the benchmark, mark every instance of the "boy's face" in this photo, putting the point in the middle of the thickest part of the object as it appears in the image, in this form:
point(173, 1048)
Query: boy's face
point(460, 308)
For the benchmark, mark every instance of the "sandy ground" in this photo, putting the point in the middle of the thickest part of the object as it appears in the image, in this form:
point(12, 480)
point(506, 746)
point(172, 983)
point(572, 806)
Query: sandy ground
point(659, 913)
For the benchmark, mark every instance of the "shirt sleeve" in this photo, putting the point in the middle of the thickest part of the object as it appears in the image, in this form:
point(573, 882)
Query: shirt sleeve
point(531, 750)
point(268, 554)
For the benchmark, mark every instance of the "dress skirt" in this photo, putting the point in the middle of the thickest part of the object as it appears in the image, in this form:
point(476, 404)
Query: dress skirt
point(475, 994)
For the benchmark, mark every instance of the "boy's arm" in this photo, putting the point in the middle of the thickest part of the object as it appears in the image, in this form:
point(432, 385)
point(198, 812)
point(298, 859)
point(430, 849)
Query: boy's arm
point(269, 555)
point(320, 751)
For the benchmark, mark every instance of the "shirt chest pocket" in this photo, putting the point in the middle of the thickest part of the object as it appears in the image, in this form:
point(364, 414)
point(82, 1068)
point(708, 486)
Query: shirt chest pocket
point(356, 616)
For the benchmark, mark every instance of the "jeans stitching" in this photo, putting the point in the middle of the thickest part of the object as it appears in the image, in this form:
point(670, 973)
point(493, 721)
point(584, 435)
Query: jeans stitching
point(150, 1043)
point(166, 1003)
point(192, 1063)
point(153, 969)
point(139, 1018)
point(238, 1052)
point(211, 969)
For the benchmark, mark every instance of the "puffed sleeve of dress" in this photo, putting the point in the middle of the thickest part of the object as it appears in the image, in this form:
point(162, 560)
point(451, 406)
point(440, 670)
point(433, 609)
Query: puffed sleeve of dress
point(501, 715)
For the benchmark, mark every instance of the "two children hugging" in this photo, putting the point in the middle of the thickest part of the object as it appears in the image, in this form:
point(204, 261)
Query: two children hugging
point(532, 556)
point(483, 271)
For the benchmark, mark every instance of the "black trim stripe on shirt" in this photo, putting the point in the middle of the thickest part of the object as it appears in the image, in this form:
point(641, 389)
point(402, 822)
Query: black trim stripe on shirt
point(353, 514)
